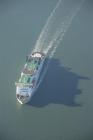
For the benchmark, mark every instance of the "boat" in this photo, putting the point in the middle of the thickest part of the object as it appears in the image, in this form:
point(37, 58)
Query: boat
point(27, 83)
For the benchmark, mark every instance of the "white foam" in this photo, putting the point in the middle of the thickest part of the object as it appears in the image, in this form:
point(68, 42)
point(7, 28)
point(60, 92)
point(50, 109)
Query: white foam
point(45, 30)
point(51, 37)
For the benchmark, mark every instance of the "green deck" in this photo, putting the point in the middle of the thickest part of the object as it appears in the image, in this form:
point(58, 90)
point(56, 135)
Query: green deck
point(26, 79)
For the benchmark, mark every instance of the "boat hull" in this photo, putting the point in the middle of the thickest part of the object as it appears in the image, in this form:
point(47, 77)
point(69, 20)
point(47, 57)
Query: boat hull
point(31, 90)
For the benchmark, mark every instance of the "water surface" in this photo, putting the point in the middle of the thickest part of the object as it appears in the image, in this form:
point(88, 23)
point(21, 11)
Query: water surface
point(62, 108)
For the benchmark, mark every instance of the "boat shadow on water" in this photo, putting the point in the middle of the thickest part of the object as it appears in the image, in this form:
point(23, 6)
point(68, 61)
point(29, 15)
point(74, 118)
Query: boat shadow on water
point(59, 86)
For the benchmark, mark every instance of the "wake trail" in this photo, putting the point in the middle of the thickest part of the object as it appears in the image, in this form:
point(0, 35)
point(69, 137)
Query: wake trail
point(42, 37)
point(60, 32)
point(51, 37)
